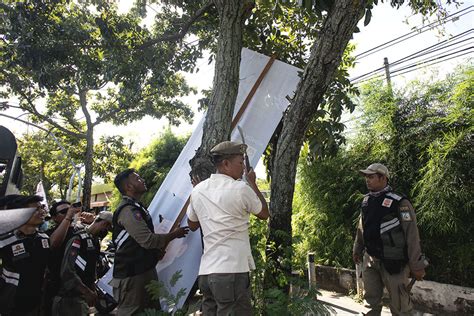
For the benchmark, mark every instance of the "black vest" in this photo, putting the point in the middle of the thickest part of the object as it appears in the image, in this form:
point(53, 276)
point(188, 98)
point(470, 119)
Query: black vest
point(87, 256)
point(24, 260)
point(384, 237)
point(130, 258)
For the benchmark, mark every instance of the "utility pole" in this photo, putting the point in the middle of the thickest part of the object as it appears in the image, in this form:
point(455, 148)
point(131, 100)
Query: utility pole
point(387, 72)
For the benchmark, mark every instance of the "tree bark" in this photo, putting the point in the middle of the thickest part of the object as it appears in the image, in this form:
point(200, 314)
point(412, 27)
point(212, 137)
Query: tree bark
point(232, 14)
point(89, 155)
point(325, 57)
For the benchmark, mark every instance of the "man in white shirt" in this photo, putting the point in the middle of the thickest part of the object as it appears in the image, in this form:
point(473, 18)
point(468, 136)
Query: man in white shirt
point(221, 206)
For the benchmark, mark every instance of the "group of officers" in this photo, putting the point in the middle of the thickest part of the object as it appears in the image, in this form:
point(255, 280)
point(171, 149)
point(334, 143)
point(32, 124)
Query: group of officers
point(62, 261)
point(48, 272)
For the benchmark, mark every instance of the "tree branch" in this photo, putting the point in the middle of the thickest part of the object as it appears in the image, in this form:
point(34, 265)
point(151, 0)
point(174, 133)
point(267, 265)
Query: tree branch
point(35, 112)
point(184, 29)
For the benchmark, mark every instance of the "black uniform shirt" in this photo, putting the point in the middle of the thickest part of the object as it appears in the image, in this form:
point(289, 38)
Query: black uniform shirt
point(24, 260)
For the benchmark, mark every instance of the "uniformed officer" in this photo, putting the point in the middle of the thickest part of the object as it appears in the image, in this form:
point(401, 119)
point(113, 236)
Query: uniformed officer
point(78, 268)
point(62, 214)
point(24, 253)
point(387, 243)
point(138, 248)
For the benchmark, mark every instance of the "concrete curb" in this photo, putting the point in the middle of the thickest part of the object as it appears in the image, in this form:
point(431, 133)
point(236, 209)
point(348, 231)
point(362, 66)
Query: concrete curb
point(429, 296)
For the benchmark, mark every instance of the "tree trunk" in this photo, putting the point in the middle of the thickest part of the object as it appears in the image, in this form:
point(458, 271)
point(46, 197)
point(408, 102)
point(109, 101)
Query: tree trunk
point(89, 156)
point(326, 55)
point(232, 14)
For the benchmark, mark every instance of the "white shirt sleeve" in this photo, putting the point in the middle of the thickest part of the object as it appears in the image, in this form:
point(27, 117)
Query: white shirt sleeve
point(190, 212)
point(252, 203)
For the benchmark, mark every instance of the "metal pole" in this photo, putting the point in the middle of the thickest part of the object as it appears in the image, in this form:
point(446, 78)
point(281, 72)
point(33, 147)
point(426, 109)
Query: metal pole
point(387, 72)
point(360, 284)
point(69, 189)
point(79, 184)
point(311, 271)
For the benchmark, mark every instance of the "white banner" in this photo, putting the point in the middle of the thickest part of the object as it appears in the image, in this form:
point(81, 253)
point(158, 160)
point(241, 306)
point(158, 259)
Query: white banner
point(258, 122)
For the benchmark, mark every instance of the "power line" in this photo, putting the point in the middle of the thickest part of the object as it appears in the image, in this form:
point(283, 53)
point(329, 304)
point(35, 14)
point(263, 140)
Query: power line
point(416, 66)
point(436, 62)
point(436, 47)
point(417, 31)
point(455, 40)
point(426, 60)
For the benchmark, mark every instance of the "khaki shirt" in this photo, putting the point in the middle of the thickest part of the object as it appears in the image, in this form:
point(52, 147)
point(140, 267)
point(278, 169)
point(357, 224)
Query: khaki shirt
point(130, 218)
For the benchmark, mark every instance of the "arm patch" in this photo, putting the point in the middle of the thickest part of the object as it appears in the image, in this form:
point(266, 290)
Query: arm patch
point(405, 215)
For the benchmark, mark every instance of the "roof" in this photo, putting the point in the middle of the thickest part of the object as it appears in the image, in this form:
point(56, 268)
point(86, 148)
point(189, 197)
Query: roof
point(102, 188)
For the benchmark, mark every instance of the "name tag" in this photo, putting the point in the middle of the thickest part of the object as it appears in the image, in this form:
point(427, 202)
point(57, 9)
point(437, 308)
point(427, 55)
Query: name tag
point(18, 249)
point(89, 244)
point(45, 243)
point(387, 202)
point(365, 200)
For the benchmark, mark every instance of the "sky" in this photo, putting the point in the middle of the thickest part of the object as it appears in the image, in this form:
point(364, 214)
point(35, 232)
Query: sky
point(386, 24)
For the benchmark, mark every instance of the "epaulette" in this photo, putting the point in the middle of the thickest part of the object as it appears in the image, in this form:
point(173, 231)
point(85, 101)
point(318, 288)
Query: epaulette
point(43, 235)
point(7, 239)
point(394, 196)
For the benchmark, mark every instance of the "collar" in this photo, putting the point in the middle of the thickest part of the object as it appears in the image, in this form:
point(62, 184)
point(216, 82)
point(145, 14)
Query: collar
point(379, 193)
point(222, 175)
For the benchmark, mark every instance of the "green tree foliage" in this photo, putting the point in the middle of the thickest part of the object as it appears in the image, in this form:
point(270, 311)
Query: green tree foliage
point(90, 65)
point(44, 160)
point(423, 133)
point(155, 161)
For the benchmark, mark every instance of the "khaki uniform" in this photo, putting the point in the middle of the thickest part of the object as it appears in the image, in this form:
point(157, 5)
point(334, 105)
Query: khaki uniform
point(129, 291)
point(78, 268)
point(375, 274)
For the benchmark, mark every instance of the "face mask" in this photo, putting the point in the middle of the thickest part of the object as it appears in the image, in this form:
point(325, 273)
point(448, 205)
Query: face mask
point(44, 226)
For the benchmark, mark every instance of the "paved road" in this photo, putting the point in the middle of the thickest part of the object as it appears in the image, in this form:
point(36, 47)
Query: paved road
point(338, 304)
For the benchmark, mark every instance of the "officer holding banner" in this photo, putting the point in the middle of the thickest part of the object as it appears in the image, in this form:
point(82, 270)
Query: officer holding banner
point(221, 206)
point(138, 248)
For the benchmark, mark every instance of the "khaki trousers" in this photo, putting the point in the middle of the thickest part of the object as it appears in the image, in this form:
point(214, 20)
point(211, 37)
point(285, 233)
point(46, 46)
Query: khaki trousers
point(375, 278)
point(131, 295)
point(225, 294)
point(70, 306)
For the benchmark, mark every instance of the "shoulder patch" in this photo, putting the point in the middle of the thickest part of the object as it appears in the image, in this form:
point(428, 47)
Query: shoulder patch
point(405, 215)
point(76, 243)
point(387, 202)
point(394, 196)
point(137, 215)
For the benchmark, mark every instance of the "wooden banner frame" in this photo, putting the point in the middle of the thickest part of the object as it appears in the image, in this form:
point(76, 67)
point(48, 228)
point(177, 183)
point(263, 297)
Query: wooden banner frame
point(233, 125)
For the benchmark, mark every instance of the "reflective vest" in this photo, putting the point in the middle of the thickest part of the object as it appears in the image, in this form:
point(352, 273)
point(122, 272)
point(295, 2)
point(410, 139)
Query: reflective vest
point(384, 237)
point(87, 256)
point(130, 258)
